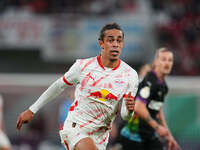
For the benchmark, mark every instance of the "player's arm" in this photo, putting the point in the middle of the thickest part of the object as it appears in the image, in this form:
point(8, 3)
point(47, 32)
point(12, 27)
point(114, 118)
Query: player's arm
point(172, 144)
point(127, 108)
point(162, 120)
point(142, 112)
point(52, 92)
point(128, 103)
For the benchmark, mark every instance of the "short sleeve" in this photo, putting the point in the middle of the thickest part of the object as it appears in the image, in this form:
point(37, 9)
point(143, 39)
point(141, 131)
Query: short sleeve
point(144, 91)
point(72, 76)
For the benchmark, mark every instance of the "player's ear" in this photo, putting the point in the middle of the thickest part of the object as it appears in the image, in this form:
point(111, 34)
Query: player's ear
point(101, 44)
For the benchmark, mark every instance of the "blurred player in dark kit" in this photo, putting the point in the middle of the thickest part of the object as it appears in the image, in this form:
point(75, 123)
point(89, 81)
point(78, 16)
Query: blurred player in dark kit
point(148, 126)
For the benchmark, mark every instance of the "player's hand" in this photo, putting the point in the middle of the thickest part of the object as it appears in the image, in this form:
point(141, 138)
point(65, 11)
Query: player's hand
point(172, 144)
point(130, 103)
point(162, 131)
point(24, 117)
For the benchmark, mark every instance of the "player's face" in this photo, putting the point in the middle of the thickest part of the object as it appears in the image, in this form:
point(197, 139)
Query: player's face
point(164, 62)
point(112, 44)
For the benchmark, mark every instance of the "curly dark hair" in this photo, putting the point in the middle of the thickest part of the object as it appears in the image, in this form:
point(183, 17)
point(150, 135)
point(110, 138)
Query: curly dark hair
point(109, 26)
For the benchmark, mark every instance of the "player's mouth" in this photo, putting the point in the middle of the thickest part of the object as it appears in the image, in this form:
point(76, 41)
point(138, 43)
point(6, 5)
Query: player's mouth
point(114, 52)
point(166, 67)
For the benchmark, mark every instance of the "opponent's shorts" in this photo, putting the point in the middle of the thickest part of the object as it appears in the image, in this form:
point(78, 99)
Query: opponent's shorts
point(4, 141)
point(73, 133)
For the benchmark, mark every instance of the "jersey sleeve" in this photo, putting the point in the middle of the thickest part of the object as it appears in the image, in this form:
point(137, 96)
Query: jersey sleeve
point(132, 87)
point(145, 90)
point(133, 84)
point(72, 76)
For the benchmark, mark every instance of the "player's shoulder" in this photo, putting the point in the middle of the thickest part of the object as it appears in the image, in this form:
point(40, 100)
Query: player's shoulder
point(127, 68)
point(87, 59)
point(84, 61)
point(150, 77)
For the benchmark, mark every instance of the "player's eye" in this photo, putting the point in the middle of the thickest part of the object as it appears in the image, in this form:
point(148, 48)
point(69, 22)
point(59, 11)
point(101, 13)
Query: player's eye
point(119, 40)
point(170, 60)
point(163, 59)
point(110, 40)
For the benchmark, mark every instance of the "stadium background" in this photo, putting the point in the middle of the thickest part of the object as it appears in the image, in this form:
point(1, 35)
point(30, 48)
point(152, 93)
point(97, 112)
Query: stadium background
point(40, 39)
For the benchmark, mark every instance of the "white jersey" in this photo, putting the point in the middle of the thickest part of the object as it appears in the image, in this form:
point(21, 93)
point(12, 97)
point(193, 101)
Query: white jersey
point(99, 91)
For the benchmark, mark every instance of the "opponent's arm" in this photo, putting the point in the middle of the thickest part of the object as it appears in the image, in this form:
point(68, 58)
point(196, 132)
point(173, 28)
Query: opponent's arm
point(162, 120)
point(142, 112)
point(172, 144)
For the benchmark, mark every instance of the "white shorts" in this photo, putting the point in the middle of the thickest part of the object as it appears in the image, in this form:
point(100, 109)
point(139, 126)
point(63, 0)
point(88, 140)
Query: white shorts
point(4, 141)
point(72, 135)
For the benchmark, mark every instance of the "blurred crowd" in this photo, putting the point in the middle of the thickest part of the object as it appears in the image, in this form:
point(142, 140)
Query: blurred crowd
point(179, 28)
point(177, 22)
point(87, 7)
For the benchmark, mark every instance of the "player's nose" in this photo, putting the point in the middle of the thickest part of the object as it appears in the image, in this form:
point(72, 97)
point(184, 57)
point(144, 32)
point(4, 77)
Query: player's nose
point(115, 43)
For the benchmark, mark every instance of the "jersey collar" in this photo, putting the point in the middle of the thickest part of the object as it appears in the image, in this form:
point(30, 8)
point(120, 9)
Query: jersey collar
point(158, 79)
point(100, 64)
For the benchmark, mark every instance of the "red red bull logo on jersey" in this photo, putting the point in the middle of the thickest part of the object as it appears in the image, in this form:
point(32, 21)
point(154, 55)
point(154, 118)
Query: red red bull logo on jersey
point(103, 95)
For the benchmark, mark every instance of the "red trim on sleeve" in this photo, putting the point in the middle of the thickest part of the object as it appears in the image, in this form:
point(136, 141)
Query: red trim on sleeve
point(126, 95)
point(73, 106)
point(64, 79)
point(61, 126)
point(67, 146)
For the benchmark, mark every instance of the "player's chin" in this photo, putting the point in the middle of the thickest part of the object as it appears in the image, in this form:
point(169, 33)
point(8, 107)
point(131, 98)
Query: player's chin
point(166, 72)
point(114, 57)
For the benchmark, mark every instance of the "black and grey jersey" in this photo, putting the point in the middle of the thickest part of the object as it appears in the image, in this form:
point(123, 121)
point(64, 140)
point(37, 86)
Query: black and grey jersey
point(152, 92)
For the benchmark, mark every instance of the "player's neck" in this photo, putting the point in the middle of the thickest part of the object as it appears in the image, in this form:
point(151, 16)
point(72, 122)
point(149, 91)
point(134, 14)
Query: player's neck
point(108, 63)
point(160, 75)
